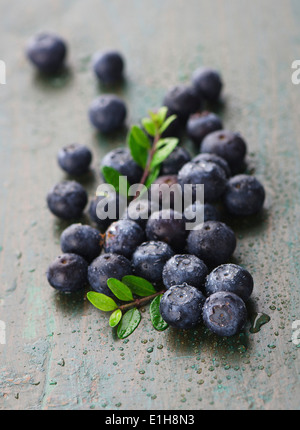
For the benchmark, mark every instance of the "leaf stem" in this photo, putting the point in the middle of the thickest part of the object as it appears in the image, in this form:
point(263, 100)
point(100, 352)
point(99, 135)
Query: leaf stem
point(147, 168)
point(140, 302)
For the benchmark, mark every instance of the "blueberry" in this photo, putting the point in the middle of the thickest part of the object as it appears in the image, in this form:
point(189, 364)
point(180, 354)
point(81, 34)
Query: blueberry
point(174, 191)
point(224, 313)
point(47, 52)
point(209, 174)
point(175, 128)
point(208, 83)
point(107, 266)
point(232, 278)
point(175, 161)
point(67, 200)
point(95, 210)
point(228, 145)
point(123, 237)
point(201, 124)
point(75, 159)
point(205, 212)
point(107, 113)
point(121, 160)
point(182, 101)
point(68, 273)
point(149, 259)
point(167, 226)
point(139, 210)
point(244, 195)
point(184, 269)
point(108, 66)
point(214, 243)
point(83, 240)
point(213, 158)
point(181, 306)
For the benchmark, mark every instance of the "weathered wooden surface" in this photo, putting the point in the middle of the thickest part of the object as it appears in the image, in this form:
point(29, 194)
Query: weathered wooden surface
point(59, 352)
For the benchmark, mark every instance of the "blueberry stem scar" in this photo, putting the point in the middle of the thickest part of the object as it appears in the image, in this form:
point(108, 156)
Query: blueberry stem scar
point(140, 302)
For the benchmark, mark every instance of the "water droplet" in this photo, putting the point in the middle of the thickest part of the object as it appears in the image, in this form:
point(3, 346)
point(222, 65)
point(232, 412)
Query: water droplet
point(258, 319)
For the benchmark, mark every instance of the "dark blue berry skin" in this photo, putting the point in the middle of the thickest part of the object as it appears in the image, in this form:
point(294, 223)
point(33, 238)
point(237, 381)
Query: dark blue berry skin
point(107, 266)
point(231, 278)
point(182, 101)
point(123, 237)
point(210, 212)
point(75, 159)
point(140, 211)
point(108, 67)
point(184, 269)
point(181, 306)
point(67, 200)
point(82, 240)
point(121, 160)
point(209, 174)
point(175, 161)
point(175, 194)
point(167, 226)
point(175, 129)
point(244, 195)
point(224, 313)
point(47, 52)
point(214, 243)
point(68, 273)
point(213, 158)
point(208, 83)
point(149, 259)
point(228, 145)
point(113, 199)
point(201, 124)
point(107, 113)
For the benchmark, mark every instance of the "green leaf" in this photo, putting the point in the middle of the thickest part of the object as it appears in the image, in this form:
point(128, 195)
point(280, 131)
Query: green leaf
point(119, 289)
point(138, 152)
point(115, 318)
point(114, 178)
point(139, 286)
point(165, 148)
point(154, 116)
point(139, 137)
point(166, 123)
point(128, 323)
point(162, 113)
point(152, 176)
point(101, 301)
point(149, 126)
point(156, 318)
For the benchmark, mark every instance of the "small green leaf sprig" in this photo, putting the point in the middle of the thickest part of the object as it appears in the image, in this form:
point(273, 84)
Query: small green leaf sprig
point(133, 292)
point(148, 151)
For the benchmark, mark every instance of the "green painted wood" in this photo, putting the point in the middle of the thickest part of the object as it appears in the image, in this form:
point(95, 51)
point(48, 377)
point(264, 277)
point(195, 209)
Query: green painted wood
point(59, 351)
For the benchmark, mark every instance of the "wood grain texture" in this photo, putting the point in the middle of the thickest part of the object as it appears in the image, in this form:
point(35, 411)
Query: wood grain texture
point(59, 351)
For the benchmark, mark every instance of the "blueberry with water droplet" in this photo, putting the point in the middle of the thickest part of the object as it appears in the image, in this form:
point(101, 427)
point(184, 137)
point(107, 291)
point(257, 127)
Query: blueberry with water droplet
point(149, 259)
point(184, 268)
point(224, 313)
point(181, 306)
point(107, 266)
point(123, 237)
point(231, 278)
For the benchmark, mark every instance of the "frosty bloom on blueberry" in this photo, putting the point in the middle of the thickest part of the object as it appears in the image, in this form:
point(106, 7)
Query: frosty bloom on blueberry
point(108, 66)
point(181, 306)
point(107, 113)
point(224, 313)
point(47, 52)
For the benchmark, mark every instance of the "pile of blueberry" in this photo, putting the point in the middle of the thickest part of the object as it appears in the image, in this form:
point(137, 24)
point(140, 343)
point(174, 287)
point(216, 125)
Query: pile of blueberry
point(192, 266)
